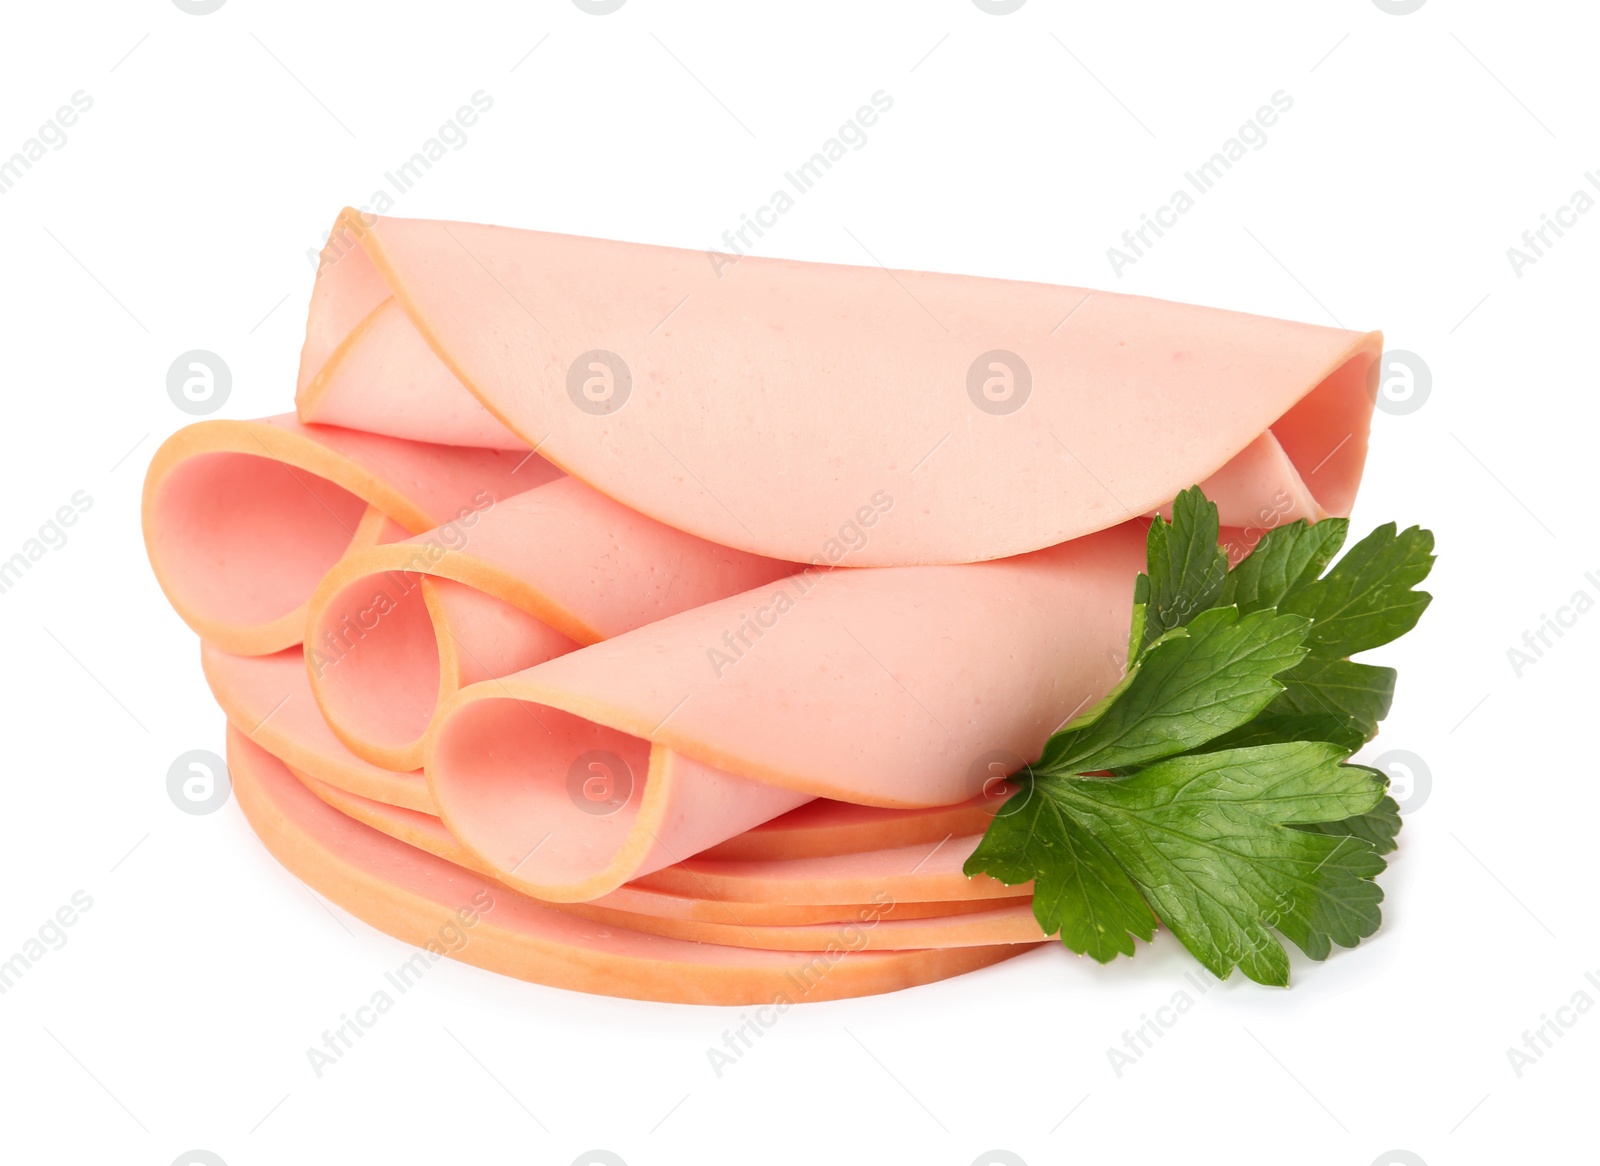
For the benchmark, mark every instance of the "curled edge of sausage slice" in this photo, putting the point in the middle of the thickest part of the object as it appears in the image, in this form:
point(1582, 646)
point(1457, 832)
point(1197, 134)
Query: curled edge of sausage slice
point(243, 518)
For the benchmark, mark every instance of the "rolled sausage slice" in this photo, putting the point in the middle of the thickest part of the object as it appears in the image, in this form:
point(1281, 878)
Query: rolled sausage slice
point(243, 518)
point(394, 629)
point(889, 687)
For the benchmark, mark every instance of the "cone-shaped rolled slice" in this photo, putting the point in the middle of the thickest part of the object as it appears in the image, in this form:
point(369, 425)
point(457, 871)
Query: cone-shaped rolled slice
point(565, 809)
point(395, 629)
point(243, 518)
point(893, 687)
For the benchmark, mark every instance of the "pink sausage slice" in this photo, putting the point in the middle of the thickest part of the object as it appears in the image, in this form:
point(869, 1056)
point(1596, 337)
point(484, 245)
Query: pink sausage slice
point(424, 900)
point(892, 686)
point(823, 827)
point(777, 406)
point(394, 629)
point(620, 814)
point(268, 699)
point(873, 928)
point(428, 833)
point(383, 349)
point(906, 874)
point(243, 518)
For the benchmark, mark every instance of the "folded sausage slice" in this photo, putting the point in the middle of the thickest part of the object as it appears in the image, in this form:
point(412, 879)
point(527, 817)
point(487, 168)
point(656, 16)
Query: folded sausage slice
point(427, 901)
point(268, 700)
point(243, 518)
point(420, 398)
point(777, 406)
point(698, 905)
point(394, 629)
point(890, 687)
point(608, 827)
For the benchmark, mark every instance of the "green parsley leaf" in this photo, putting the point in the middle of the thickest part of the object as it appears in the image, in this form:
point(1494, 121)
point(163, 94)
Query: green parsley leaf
point(1380, 826)
point(1187, 568)
point(1359, 693)
point(1206, 840)
point(1285, 559)
point(1367, 599)
point(1274, 725)
point(1079, 891)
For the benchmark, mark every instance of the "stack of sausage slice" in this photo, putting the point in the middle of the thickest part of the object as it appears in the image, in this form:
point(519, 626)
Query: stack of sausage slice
point(666, 628)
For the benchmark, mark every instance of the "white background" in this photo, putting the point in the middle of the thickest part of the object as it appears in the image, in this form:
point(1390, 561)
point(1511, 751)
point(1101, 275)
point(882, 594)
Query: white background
point(177, 216)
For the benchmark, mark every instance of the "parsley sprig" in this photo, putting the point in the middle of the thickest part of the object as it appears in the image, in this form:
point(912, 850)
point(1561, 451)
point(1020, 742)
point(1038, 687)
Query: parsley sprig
point(1210, 791)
